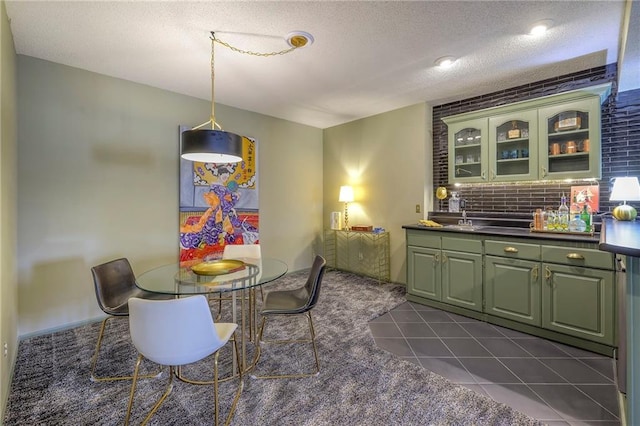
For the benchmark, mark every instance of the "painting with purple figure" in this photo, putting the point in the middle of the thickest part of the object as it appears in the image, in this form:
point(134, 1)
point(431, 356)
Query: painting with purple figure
point(218, 205)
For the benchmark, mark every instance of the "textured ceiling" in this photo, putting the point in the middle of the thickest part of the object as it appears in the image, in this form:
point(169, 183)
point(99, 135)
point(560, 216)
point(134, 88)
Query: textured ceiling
point(367, 58)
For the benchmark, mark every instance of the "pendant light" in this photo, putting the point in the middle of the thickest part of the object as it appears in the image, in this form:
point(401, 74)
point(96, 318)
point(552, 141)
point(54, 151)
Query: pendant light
point(211, 145)
point(216, 145)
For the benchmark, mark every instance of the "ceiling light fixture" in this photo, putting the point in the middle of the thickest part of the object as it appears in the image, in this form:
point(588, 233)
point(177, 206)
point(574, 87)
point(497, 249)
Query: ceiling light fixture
point(216, 145)
point(445, 61)
point(540, 27)
point(299, 39)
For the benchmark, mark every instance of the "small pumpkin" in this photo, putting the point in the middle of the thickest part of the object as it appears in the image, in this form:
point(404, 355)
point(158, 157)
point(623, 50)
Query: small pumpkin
point(625, 212)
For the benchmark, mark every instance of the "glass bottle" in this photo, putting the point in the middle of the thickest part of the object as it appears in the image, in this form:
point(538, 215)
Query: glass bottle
point(454, 203)
point(577, 224)
point(563, 214)
point(586, 217)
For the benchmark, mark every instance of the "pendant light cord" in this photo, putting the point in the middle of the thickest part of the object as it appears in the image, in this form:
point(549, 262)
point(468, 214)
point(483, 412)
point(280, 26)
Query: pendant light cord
point(298, 43)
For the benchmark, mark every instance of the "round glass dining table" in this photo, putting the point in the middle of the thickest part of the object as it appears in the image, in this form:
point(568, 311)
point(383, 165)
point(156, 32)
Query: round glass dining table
point(180, 280)
point(239, 277)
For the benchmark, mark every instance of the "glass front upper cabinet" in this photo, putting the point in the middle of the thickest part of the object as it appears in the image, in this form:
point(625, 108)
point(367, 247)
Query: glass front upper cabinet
point(467, 151)
point(570, 140)
point(513, 154)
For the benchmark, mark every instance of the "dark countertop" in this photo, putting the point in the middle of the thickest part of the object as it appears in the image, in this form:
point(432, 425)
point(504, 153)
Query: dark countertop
point(501, 224)
point(509, 231)
point(622, 237)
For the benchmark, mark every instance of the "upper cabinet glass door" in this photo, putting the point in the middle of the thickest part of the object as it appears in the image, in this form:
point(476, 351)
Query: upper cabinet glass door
point(467, 151)
point(513, 154)
point(570, 140)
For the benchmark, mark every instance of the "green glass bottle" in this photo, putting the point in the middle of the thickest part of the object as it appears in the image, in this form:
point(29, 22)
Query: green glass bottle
point(586, 217)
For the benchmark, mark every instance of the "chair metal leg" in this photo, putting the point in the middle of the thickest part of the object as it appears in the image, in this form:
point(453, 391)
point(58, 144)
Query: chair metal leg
point(96, 352)
point(164, 396)
point(312, 340)
point(133, 390)
point(240, 385)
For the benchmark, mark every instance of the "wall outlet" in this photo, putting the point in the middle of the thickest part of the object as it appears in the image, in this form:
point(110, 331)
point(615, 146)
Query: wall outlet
point(5, 349)
point(417, 208)
point(360, 256)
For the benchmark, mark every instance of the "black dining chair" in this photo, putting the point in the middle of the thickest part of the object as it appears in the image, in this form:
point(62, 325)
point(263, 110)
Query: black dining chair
point(296, 301)
point(115, 284)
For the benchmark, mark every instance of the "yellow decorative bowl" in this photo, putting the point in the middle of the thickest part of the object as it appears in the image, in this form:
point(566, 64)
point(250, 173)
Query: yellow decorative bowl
point(218, 267)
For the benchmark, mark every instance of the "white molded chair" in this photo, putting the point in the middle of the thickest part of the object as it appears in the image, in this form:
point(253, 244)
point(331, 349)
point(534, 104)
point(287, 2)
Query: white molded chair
point(178, 332)
point(250, 253)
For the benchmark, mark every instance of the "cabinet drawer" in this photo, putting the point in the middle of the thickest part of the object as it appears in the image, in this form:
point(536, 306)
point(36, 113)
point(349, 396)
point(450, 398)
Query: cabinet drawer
point(462, 244)
point(423, 239)
point(578, 257)
point(512, 250)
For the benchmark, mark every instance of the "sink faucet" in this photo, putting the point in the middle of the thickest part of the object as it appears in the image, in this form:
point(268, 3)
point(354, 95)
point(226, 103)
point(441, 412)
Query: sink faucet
point(464, 220)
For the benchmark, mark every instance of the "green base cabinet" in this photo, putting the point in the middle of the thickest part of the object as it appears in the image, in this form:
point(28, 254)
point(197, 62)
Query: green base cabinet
point(512, 289)
point(445, 269)
point(579, 302)
point(462, 279)
point(424, 272)
point(562, 290)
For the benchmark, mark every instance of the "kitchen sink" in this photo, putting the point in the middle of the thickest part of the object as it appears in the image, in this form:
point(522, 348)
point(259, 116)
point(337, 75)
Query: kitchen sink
point(464, 227)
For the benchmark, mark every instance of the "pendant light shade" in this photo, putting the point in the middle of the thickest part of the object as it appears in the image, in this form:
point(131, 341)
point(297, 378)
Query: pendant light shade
point(211, 146)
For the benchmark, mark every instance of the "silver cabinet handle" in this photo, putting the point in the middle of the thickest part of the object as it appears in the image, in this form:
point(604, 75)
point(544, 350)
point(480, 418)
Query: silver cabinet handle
point(510, 250)
point(575, 256)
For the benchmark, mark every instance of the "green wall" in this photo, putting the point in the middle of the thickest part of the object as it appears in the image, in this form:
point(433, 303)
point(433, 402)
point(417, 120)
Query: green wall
point(98, 179)
point(387, 160)
point(8, 211)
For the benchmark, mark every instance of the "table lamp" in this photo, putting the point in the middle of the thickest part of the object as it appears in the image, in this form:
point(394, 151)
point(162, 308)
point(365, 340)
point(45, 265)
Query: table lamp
point(346, 196)
point(625, 189)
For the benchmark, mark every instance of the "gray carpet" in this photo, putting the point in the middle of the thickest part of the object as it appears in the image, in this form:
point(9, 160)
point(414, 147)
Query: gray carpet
point(359, 384)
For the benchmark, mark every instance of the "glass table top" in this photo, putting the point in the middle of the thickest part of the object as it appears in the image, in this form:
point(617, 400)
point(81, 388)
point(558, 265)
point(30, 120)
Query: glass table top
point(179, 279)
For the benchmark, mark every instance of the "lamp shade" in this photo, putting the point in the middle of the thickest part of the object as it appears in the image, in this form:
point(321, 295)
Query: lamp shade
point(211, 146)
point(346, 194)
point(625, 189)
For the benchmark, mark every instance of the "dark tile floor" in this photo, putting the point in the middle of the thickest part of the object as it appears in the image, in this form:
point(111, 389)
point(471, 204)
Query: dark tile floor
point(554, 383)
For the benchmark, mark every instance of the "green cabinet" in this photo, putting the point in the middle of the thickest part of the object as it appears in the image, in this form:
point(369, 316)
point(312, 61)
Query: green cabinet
point(512, 289)
point(423, 279)
point(570, 140)
point(512, 280)
point(553, 137)
point(468, 152)
point(577, 296)
point(513, 153)
point(461, 274)
point(445, 269)
point(566, 288)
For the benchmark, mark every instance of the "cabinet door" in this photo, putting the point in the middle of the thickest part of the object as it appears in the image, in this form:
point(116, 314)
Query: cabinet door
point(512, 289)
point(423, 272)
point(579, 301)
point(468, 151)
point(570, 140)
point(462, 279)
point(513, 153)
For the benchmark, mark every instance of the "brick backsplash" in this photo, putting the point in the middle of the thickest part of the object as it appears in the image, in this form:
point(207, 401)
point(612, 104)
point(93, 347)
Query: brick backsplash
point(620, 142)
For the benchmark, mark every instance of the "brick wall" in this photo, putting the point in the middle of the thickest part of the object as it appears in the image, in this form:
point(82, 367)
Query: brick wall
point(620, 144)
